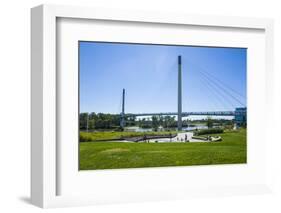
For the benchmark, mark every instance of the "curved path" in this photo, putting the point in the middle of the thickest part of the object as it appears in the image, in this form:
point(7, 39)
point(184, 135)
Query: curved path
point(179, 138)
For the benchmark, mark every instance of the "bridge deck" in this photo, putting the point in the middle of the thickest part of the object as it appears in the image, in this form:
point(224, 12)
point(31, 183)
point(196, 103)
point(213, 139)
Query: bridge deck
point(215, 113)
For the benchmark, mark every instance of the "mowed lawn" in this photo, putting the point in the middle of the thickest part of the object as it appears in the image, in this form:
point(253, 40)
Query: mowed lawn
point(112, 155)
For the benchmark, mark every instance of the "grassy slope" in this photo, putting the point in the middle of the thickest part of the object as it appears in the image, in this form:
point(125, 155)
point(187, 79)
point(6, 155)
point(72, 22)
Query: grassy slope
point(112, 155)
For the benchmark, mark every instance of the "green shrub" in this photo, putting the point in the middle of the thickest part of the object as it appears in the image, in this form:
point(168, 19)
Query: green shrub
point(208, 131)
point(84, 137)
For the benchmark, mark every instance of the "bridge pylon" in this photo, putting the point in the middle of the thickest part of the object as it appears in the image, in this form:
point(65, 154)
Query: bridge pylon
point(179, 94)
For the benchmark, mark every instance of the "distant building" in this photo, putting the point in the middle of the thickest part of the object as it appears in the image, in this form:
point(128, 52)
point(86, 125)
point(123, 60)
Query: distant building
point(240, 117)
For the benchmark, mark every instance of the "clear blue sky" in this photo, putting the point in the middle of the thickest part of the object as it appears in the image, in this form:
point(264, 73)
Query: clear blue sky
point(149, 75)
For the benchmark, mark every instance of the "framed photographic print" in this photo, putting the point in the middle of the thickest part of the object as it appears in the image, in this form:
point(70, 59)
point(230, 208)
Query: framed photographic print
point(130, 106)
point(163, 78)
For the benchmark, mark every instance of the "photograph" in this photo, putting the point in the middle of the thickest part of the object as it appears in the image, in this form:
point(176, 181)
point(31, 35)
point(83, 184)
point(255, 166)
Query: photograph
point(161, 105)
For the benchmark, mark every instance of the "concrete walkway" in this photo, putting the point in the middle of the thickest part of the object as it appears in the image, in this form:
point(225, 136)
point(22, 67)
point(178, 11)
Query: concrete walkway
point(179, 138)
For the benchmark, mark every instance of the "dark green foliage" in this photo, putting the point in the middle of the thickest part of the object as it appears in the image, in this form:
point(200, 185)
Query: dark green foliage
point(155, 122)
point(210, 122)
point(114, 135)
point(98, 121)
point(208, 131)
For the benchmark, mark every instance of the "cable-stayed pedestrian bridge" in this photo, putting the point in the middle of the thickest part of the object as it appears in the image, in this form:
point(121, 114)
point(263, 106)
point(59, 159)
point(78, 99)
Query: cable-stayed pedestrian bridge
point(222, 89)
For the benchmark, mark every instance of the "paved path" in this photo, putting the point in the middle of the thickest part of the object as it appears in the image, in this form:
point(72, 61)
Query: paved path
point(179, 138)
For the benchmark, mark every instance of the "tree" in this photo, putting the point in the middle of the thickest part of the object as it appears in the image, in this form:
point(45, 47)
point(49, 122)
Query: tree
point(155, 123)
point(83, 120)
point(91, 124)
point(161, 120)
point(209, 122)
point(131, 120)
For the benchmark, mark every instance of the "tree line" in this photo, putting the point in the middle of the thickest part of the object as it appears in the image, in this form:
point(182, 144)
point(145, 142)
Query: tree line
point(92, 121)
point(99, 121)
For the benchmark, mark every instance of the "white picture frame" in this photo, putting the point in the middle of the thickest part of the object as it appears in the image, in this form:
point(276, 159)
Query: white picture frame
point(45, 171)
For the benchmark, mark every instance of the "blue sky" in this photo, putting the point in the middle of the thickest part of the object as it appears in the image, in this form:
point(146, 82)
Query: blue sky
point(213, 78)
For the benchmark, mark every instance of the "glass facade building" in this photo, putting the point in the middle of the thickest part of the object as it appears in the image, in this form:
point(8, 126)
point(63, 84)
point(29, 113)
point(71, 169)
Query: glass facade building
point(241, 116)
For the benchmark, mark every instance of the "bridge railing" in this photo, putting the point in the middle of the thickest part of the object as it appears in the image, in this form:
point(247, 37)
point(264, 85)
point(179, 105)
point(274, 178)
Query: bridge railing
point(213, 113)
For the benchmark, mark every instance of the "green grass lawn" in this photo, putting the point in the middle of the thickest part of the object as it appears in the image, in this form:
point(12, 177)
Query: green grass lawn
point(112, 155)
